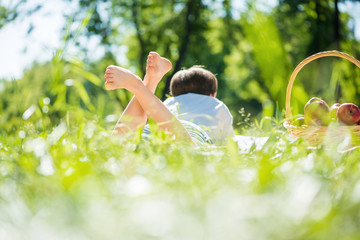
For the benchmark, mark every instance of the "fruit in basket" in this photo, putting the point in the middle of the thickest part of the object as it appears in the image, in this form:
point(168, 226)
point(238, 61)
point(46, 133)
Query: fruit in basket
point(316, 112)
point(333, 110)
point(299, 121)
point(349, 114)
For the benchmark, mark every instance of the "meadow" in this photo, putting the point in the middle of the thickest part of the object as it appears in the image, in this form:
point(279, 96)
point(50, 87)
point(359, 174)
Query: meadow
point(64, 176)
point(76, 181)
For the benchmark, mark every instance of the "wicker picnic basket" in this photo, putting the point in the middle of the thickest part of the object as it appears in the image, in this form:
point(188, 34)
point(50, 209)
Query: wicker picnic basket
point(316, 134)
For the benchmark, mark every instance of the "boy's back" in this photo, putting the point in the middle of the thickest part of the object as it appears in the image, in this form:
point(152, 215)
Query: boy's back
point(211, 114)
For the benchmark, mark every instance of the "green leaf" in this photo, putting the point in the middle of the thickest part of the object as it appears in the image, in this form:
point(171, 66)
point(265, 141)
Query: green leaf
point(87, 75)
point(84, 95)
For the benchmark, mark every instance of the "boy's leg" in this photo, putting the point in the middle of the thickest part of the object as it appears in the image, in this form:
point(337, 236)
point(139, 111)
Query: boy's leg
point(121, 78)
point(134, 116)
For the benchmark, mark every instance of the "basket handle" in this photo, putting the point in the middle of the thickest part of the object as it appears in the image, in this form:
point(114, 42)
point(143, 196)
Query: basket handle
point(333, 53)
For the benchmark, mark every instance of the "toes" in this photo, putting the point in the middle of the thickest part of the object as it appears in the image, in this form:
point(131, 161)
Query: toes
point(110, 67)
point(108, 86)
point(108, 76)
point(149, 61)
point(155, 54)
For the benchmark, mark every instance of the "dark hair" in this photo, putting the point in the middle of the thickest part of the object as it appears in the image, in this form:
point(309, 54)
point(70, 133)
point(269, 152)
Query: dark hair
point(193, 80)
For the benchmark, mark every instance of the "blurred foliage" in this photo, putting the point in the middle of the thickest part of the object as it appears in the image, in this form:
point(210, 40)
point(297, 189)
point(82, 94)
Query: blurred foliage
point(9, 12)
point(253, 52)
point(78, 182)
point(17, 9)
point(248, 53)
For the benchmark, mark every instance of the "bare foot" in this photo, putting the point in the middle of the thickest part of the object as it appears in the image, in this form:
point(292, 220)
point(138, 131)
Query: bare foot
point(156, 67)
point(118, 77)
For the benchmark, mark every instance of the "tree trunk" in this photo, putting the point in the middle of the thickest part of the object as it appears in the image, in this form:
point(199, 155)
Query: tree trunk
point(142, 53)
point(228, 26)
point(337, 45)
point(317, 37)
point(337, 36)
point(188, 28)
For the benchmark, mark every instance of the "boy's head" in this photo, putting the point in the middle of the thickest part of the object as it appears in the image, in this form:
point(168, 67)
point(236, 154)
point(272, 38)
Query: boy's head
point(193, 80)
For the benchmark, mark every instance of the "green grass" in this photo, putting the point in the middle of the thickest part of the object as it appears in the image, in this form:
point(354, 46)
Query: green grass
point(77, 182)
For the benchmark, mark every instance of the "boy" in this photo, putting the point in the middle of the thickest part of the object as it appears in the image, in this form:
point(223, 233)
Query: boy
point(194, 99)
point(193, 102)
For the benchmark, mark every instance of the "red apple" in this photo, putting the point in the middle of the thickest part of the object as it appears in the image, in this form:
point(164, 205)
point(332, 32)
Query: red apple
point(348, 113)
point(316, 112)
point(333, 110)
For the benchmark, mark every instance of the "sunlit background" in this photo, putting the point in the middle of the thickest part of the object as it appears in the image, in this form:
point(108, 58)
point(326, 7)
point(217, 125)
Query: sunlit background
point(64, 176)
point(19, 47)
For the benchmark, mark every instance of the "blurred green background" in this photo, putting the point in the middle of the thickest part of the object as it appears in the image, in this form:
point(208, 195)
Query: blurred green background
point(251, 47)
point(64, 176)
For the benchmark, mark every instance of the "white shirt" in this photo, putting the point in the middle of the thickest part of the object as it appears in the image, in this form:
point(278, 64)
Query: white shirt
point(208, 112)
